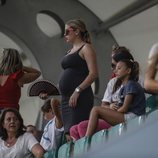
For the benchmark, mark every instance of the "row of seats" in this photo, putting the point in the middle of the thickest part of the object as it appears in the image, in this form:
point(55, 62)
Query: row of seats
point(74, 149)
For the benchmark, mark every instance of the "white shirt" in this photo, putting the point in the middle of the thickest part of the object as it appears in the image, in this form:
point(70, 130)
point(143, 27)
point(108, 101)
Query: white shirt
point(108, 95)
point(21, 149)
point(51, 136)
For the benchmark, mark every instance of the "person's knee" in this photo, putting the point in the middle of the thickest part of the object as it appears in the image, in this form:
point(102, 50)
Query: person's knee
point(74, 133)
point(82, 128)
point(96, 109)
point(83, 124)
point(73, 129)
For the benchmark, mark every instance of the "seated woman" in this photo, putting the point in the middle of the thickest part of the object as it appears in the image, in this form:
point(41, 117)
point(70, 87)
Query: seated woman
point(15, 142)
point(132, 99)
point(151, 80)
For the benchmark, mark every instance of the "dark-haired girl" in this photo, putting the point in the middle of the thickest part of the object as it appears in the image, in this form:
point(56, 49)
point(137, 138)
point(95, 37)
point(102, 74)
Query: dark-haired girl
point(132, 98)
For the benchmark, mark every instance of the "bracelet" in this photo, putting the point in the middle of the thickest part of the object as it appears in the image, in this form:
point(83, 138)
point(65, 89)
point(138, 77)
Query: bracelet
point(78, 90)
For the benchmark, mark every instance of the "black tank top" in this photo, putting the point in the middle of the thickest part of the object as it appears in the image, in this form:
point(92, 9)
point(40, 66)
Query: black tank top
point(75, 70)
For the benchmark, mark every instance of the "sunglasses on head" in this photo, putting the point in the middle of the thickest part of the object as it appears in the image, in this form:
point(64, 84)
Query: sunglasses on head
point(67, 31)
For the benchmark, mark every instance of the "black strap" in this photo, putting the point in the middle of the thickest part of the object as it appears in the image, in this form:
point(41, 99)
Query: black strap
point(80, 48)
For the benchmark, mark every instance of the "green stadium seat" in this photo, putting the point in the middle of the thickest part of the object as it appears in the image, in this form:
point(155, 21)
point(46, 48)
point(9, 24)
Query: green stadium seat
point(81, 146)
point(99, 137)
point(136, 122)
point(152, 103)
point(63, 139)
point(152, 115)
point(51, 154)
point(116, 131)
point(65, 150)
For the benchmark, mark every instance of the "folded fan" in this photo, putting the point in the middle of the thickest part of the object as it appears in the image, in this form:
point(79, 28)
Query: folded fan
point(45, 86)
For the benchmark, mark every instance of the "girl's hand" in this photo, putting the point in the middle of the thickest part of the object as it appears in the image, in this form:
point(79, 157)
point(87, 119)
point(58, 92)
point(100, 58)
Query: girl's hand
point(114, 106)
point(73, 99)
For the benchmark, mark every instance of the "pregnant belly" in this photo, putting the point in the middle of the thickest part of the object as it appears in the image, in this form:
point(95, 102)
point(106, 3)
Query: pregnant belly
point(69, 80)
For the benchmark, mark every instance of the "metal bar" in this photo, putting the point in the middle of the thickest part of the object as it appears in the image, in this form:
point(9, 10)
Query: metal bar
point(126, 13)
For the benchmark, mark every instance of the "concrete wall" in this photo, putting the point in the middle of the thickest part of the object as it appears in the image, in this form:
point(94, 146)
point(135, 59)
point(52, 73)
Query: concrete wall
point(18, 21)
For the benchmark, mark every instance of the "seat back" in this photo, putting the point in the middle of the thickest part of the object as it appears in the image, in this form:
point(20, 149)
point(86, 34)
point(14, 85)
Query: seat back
point(51, 154)
point(81, 146)
point(152, 115)
point(65, 150)
point(152, 103)
point(136, 122)
point(99, 137)
point(116, 131)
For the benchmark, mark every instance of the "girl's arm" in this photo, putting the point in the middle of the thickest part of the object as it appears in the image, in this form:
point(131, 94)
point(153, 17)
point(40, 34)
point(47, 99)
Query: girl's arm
point(127, 102)
point(55, 107)
point(105, 104)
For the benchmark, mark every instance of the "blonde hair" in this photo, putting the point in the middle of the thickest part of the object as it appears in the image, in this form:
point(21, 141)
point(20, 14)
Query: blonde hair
point(10, 61)
point(79, 24)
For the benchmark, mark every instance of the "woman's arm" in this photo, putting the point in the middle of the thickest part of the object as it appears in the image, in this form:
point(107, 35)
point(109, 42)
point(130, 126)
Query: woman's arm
point(89, 55)
point(37, 150)
point(150, 84)
point(107, 98)
point(30, 75)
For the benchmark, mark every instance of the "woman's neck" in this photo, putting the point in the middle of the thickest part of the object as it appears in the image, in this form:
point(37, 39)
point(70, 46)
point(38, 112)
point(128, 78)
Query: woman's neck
point(11, 140)
point(76, 46)
point(11, 135)
point(78, 43)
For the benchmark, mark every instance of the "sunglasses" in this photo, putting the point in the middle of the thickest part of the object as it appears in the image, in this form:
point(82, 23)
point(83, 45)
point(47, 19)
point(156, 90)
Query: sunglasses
point(67, 31)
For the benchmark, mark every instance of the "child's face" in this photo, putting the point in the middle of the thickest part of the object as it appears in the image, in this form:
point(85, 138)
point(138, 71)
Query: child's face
point(121, 70)
point(48, 115)
point(113, 65)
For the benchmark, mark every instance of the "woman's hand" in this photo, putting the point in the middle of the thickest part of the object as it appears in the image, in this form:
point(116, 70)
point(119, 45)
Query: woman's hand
point(73, 99)
point(43, 95)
